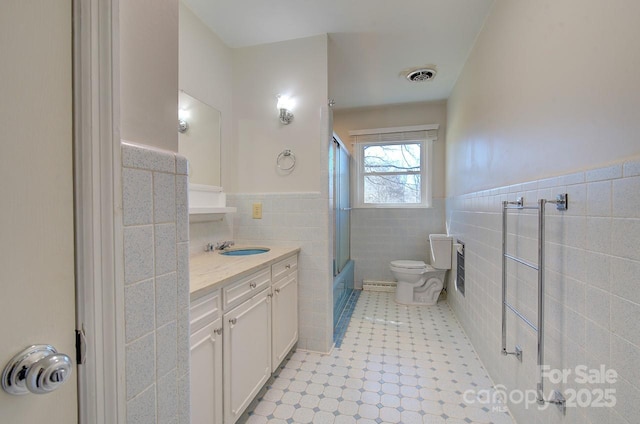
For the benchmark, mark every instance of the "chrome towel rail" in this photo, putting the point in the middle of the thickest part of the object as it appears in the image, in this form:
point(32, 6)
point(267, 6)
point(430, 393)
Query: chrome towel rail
point(561, 203)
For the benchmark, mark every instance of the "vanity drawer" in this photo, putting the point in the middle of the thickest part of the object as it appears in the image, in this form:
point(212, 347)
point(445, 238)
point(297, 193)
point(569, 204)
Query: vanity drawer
point(205, 310)
point(284, 267)
point(241, 290)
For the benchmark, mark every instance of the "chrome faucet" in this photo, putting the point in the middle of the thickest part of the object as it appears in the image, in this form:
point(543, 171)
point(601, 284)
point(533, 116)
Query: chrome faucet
point(224, 244)
point(210, 247)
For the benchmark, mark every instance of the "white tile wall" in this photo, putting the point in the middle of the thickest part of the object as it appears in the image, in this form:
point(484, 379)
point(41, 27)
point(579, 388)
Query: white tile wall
point(379, 236)
point(296, 219)
point(202, 233)
point(156, 291)
point(593, 286)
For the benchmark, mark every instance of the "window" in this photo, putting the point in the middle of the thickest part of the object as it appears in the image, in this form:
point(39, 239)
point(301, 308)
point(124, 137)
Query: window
point(393, 169)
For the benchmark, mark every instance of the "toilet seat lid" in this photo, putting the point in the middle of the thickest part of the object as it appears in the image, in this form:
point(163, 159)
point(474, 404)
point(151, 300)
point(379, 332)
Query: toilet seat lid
point(408, 264)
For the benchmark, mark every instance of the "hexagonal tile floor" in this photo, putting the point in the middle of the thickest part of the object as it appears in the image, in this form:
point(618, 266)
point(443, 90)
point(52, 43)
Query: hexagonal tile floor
point(396, 364)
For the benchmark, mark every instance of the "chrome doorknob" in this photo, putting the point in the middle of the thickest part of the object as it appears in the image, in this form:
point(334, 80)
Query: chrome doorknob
point(37, 369)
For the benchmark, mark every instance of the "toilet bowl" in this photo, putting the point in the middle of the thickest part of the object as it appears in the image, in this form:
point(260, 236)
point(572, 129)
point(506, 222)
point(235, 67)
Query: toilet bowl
point(419, 283)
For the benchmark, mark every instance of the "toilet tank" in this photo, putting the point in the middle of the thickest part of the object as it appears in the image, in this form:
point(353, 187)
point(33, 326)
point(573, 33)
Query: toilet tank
point(441, 245)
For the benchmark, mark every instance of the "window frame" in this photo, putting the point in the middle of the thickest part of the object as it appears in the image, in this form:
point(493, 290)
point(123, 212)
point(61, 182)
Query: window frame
point(426, 153)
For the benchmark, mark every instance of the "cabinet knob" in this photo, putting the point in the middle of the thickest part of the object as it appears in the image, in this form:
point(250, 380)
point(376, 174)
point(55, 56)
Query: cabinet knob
point(277, 291)
point(218, 331)
point(252, 285)
point(233, 321)
point(288, 266)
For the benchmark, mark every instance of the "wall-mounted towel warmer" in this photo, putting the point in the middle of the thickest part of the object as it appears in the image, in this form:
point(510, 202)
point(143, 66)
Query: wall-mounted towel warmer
point(561, 203)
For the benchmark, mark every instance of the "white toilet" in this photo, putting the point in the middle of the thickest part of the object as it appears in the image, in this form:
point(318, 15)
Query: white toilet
point(420, 283)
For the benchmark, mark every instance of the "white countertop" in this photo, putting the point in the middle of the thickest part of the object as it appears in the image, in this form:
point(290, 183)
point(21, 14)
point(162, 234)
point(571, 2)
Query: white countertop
point(210, 270)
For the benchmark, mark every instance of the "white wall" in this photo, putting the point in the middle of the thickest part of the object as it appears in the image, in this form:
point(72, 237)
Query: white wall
point(149, 72)
point(379, 236)
point(206, 73)
point(297, 68)
point(550, 87)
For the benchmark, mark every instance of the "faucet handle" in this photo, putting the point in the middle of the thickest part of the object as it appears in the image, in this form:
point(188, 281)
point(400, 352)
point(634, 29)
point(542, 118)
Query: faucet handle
point(209, 247)
point(224, 244)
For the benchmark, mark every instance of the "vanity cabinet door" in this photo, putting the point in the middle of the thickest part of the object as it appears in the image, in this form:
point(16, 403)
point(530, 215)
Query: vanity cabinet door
point(247, 353)
point(206, 374)
point(284, 312)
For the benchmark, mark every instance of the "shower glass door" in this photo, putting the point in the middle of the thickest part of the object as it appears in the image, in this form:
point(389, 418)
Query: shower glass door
point(342, 249)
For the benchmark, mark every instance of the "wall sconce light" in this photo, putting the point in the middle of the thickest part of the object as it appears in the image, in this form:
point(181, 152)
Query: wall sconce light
point(285, 104)
point(183, 125)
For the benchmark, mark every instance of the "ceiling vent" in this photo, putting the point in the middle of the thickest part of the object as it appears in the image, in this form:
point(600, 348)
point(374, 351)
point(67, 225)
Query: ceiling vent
point(421, 74)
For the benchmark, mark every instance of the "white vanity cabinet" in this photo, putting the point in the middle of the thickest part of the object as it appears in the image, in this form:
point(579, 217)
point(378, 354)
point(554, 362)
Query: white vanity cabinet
point(284, 309)
point(206, 360)
point(240, 333)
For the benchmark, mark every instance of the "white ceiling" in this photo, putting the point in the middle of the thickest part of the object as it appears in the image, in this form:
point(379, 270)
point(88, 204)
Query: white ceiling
point(370, 41)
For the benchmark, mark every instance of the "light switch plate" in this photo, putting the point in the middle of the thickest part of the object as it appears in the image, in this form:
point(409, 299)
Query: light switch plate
point(257, 211)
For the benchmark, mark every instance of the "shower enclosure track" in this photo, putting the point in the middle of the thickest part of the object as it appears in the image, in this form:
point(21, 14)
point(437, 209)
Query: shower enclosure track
point(561, 203)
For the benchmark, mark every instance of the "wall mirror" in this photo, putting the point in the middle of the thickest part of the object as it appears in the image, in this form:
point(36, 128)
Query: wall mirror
point(199, 139)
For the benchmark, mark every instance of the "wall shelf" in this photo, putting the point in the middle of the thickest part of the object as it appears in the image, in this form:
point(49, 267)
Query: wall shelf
point(207, 203)
point(205, 214)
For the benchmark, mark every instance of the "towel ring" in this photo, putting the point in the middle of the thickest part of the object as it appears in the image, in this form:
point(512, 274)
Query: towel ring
point(282, 158)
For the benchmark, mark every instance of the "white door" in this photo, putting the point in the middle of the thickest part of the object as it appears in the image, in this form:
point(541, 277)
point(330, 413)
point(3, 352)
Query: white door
point(37, 291)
